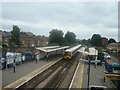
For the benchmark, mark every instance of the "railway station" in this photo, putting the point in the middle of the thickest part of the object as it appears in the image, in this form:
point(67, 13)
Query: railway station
point(46, 73)
point(96, 76)
point(30, 76)
point(51, 50)
point(49, 44)
point(41, 52)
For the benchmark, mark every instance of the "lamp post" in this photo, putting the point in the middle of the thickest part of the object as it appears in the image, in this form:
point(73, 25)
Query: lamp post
point(95, 58)
point(88, 72)
point(14, 61)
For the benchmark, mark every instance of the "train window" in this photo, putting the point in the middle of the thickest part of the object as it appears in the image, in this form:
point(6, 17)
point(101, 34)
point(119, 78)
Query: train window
point(67, 53)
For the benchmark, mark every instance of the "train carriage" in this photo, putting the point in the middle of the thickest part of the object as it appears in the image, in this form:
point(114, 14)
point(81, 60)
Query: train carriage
point(68, 54)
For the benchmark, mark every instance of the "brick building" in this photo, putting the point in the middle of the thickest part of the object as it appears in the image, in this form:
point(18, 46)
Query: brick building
point(6, 37)
point(30, 40)
point(114, 46)
point(0, 39)
point(104, 41)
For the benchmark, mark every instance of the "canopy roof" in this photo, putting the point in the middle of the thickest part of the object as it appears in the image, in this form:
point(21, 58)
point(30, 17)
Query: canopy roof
point(29, 54)
point(93, 51)
point(73, 48)
point(52, 49)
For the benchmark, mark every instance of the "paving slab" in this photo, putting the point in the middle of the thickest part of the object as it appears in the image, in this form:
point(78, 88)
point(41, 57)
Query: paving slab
point(96, 77)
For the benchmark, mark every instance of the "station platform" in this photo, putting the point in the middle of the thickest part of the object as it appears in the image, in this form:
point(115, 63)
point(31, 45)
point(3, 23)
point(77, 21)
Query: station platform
point(96, 77)
point(25, 71)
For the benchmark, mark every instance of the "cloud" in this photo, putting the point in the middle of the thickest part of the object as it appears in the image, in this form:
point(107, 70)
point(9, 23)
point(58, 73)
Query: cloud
point(84, 19)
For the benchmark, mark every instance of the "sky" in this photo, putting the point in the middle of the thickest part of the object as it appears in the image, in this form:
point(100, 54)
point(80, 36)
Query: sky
point(82, 18)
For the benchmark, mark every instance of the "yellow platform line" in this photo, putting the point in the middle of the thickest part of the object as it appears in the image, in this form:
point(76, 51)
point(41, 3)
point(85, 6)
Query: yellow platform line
point(27, 75)
point(23, 78)
point(81, 74)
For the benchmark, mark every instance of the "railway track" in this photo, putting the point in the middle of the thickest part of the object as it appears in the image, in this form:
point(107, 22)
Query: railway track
point(52, 77)
point(57, 77)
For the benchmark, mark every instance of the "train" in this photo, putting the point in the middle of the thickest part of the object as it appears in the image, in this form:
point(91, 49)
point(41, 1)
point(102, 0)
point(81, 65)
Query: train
point(69, 53)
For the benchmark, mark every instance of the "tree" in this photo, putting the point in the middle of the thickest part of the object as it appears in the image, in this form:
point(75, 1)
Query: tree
point(70, 38)
point(96, 40)
point(111, 40)
point(56, 37)
point(15, 35)
point(87, 42)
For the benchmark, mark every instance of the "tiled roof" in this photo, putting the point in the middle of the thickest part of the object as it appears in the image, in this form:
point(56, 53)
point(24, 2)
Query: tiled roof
point(114, 44)
point(6, 34)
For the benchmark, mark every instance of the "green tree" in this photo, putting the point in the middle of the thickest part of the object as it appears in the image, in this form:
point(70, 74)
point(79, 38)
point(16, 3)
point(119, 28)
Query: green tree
point(87, 42)
point(96, 40)
point(70, 38)
point(56, 37)
point(15, 36)
point(111, 40)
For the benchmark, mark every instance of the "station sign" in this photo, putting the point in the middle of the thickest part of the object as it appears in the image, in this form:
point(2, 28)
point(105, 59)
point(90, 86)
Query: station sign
point(112, 76)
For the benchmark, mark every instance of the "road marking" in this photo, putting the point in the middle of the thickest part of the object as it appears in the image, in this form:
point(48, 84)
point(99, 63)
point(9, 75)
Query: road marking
point(28, 75)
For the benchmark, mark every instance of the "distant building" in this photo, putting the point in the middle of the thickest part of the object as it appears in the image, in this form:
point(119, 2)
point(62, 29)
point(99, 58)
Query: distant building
point(114, 46)
point(30, 40)
point(6, 36)
point(26, 40)
point(40, 40)
point(29, 33)
point(104, 41)
point(0, 38)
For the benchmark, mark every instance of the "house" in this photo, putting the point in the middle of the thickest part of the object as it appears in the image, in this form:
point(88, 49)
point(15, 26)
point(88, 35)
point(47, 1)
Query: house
point(30, 40)
point(6, 37)
point(114, 46)
point(104, 41)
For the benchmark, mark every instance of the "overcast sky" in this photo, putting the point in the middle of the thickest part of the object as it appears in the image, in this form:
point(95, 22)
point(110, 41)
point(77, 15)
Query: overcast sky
point(82, 18)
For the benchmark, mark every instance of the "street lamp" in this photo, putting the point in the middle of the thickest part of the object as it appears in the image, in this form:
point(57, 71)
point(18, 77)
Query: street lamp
point(14, 61)
point(89, 59)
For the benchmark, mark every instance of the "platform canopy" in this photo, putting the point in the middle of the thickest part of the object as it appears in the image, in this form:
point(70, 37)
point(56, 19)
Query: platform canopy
point(50, 49)
point(46, 48)
point(29, 53)
point(82, 49)
point(93, 51)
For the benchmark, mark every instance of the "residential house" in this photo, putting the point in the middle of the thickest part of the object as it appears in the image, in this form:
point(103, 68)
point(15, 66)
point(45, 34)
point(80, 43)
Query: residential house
point(114, 46)
point(6, 37)
point(104, 41)
point(30, 40)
